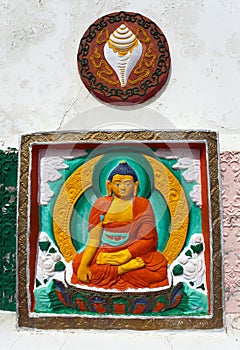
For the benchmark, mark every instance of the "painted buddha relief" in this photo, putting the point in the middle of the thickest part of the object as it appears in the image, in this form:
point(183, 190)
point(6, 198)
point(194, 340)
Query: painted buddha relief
point(122, 243)
point(122, 231)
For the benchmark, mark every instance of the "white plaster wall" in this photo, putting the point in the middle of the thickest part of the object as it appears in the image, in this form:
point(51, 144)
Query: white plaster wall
point(41, 90)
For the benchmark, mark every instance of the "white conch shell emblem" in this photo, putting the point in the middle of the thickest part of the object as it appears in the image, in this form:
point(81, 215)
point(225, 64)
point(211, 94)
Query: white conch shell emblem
point(122, 51)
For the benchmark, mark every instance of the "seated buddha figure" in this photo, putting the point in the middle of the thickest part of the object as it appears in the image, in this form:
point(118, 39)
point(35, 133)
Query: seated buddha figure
point(121, 251)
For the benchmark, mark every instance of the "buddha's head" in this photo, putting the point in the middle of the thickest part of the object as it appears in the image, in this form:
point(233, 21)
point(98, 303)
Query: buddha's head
point(122, 181)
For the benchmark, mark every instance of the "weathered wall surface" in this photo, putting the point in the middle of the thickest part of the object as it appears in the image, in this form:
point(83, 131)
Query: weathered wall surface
point(41, 90)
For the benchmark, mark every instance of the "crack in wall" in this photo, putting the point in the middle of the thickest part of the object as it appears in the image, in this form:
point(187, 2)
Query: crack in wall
point(66, 113)
point(168, 341)
point(64, 342)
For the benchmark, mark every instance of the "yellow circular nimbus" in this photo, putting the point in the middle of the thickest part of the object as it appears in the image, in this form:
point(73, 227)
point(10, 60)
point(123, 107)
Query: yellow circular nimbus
point(72, 189)
point(173, 193)
point(81, 180)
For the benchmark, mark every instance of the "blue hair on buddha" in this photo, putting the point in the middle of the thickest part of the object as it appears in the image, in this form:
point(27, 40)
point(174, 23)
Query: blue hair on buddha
point(123, 168)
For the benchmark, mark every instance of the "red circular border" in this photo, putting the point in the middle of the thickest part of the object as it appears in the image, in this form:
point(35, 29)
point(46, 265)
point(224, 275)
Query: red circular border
point(147, 87)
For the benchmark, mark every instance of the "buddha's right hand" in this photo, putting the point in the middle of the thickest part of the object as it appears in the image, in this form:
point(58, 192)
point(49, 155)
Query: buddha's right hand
point(84, 274)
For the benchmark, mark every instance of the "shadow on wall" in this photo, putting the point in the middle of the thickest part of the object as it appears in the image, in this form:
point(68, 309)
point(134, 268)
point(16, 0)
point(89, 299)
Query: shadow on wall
point(109, 118)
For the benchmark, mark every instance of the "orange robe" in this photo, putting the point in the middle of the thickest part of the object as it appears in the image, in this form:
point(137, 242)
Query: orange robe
point(139, 237)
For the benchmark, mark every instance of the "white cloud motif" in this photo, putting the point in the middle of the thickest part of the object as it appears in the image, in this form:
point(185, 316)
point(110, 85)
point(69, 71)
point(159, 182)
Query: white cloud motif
point(49, 171)
point(51, 161)
point(188, 161)
point(191, 167)
point(195, 195)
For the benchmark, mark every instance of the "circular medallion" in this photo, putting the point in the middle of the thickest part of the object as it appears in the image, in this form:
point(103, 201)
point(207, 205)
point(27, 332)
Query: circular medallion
point(123, 58)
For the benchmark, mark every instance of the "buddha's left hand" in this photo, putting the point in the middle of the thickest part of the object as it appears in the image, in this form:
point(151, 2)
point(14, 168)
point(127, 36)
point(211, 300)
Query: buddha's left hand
point(117, 259)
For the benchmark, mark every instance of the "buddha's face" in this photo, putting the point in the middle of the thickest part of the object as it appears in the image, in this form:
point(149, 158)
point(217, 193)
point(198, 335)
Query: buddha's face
point(123, 186)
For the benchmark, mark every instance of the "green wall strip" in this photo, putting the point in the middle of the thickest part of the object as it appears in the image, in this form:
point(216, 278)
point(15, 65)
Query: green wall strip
point(8, 214)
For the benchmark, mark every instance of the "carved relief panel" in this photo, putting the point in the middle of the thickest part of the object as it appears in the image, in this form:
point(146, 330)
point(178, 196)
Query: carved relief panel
point(122, 226)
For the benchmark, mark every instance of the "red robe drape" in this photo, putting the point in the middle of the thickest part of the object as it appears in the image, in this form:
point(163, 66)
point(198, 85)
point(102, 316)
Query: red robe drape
point(142, 242)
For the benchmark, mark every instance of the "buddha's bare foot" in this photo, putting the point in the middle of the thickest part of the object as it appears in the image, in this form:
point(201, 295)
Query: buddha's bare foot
point(133, 264)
